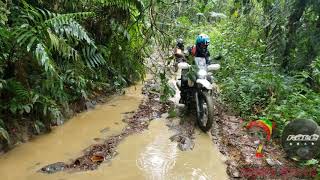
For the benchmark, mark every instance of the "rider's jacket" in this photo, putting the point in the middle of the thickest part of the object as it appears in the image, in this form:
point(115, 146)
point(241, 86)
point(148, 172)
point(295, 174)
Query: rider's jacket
point(198, 51)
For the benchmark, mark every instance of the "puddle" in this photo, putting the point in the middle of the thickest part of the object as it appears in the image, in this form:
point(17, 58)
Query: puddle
point(66, 141)
point(161, 159)
point(149, 155)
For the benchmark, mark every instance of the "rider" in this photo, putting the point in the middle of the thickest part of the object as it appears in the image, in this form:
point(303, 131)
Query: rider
point(200, 49)
point(179, 53)
point(180, 44)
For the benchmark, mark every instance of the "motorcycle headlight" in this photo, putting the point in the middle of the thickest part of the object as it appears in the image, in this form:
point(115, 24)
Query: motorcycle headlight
point(202, 74)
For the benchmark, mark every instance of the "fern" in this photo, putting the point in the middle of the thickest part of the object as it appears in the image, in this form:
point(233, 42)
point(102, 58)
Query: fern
point(62, 47)
point(123, 4)
point(3, 12)
point(42, 54)
point(56, 61)
point(43, 31)
point(70, 29)
point(21, 102)
point(17, 89)
point(92, 57)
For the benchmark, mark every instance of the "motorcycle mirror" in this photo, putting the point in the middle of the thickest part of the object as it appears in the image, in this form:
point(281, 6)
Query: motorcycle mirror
point(213, 67)
point(183, 65)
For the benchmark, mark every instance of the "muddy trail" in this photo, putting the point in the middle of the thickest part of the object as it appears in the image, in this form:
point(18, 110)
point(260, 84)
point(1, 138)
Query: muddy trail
point(129, 137)
point(135, 136)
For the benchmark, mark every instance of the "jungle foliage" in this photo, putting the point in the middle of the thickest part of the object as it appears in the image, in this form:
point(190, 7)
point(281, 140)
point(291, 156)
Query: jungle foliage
point(57, 53)
point(270, 49)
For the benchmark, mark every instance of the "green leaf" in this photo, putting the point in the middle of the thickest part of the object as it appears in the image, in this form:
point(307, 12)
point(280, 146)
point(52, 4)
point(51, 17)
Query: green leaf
point(31, 43)
point(1, 123)
point(311, 162)
point(5, 134)
point(27, 109)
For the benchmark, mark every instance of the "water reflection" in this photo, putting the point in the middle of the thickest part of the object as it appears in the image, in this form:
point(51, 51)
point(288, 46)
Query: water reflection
point(158, 157)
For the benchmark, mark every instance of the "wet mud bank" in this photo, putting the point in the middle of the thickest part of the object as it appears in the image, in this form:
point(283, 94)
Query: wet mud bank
point(23, 130)
point(235, 143)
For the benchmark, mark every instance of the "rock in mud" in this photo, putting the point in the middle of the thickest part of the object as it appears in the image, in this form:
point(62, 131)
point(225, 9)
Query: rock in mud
point(89, 105)
point(60, 121)
point(130, 112)
point(236, 174)
point(98, 139)
point(272, 162)
point(152, 87)
point(176, 137)
point(184, 142)
point(53, 168)
point(94, 102)
point(105, 130)
point(100, 100)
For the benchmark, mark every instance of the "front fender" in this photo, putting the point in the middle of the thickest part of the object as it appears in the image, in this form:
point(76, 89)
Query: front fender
point(205, 83)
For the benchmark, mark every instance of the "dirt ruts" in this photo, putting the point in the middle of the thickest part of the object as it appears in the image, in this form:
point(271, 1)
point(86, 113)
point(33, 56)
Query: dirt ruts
point(149, 109)
point(185, 129)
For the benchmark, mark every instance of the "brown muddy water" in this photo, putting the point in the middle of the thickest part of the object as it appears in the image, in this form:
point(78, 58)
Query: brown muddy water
point(149, 155)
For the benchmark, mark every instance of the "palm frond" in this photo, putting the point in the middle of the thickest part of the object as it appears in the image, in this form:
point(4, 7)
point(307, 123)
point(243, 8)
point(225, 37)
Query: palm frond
point(43, 31)
point(38, 21)
point(62, 47)
point(17, 89)
point(3, 13)
point(22, 99)
point(123, 4)
point(70, 29)
point(92, 57)
point(43, 57)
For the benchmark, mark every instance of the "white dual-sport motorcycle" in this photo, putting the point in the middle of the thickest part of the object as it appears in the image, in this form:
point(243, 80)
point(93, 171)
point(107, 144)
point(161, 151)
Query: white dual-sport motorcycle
point(197, 92)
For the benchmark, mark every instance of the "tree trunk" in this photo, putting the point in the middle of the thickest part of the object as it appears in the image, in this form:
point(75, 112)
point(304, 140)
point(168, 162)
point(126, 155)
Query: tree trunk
point(293, 24)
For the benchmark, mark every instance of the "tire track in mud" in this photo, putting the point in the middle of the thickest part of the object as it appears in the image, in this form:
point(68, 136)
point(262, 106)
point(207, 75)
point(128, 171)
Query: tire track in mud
point(184, 124)
point(185, 132)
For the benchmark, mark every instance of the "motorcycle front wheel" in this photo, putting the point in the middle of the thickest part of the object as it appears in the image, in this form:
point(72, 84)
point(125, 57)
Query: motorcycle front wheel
point(205, 110)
